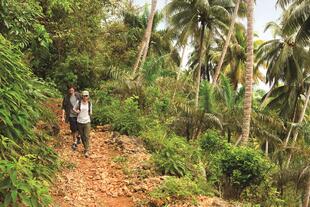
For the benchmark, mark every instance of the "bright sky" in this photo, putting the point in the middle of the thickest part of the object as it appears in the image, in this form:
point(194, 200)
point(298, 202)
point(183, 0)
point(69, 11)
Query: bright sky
point(265, 11)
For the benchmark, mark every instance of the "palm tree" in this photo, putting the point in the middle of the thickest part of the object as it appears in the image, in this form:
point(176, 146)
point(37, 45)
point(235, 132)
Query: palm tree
point(287, 64)
point(193, 17)
point(144, 46)
point(227, 41)
point(193, 121)
point(249, 74)
point(300, 120)
point(234, 64)
point(307, 193)
point(230, 102)
point(296, 19)
point(279, 55)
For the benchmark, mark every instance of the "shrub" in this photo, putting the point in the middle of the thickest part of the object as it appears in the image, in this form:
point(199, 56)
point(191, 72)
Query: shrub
point(175, 156)
point(169, 162)
point(128, 120)
point(174, 189)
point(155, 137)
point(26, 162)
point(124, 116)
point(105, 107)
point(243, 167)
point(235, 168)
point(23, 186)
point(211, 142)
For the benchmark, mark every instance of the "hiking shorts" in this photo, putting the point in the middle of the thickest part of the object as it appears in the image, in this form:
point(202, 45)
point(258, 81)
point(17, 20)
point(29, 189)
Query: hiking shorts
point(73, 124)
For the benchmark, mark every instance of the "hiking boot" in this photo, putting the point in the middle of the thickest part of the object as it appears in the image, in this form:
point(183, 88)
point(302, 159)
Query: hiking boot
point(74, 146)
point(86, 154)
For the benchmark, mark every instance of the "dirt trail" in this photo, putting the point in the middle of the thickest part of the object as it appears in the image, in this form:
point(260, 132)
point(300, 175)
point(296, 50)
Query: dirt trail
point(96, 181)
point(90, 181)
point(118, 172)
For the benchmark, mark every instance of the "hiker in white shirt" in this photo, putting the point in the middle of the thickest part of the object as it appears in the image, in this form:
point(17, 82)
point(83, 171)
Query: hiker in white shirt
point(84, 110)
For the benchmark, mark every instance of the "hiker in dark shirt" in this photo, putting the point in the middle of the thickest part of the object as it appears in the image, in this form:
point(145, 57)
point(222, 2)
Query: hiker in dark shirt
point(69, 115)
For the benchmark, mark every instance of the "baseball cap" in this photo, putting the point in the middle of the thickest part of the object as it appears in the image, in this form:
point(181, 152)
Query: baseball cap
point(85, 93)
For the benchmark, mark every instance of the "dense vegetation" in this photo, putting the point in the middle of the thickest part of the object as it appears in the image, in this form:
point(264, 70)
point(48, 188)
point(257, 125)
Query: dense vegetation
point(131, 60)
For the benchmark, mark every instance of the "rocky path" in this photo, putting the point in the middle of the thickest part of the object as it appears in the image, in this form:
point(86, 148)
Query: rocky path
point(108, 178)
point(118, 172)
point(94, 181)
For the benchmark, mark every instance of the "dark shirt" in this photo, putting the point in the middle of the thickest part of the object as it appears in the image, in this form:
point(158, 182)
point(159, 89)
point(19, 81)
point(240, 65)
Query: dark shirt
point(67, 105)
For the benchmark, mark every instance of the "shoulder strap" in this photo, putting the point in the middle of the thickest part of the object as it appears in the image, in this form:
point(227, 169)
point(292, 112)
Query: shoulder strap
point(89, 106)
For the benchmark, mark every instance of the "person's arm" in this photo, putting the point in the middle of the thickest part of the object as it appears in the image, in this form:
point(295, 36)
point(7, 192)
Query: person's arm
point(91, 109)
point(63, 110)
point(63, 115)
point(76, 107)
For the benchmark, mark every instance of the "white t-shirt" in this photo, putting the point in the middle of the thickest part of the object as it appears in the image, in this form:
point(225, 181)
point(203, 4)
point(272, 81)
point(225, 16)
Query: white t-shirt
point(83, 117)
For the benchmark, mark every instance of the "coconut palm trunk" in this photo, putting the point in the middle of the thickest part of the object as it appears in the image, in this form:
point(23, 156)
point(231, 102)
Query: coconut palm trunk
point(300, 119)
point(202, 35)
point(249, 74)
point(291, 128)
point(267, 148)
point(144, 45)
point(230, 32)
point(307, 193)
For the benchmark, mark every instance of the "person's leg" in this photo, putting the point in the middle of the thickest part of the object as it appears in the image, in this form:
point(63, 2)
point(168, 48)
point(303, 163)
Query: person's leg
point(87, 132)
point(81, 131)
point(76, 136)
point(74, 129)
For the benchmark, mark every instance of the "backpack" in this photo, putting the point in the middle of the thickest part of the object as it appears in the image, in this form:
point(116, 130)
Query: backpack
point(89, 106)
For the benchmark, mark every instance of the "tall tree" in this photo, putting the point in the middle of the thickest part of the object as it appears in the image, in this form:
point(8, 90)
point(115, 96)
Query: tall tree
point(297, 18)
point(300, 120)
point(227, 41)
point(249, 74)
point(307, 193)
point(144, 46)
point(234, 65)
point(197, 17)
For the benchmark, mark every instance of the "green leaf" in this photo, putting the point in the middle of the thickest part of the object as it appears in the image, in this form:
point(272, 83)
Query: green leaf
point(13, 177)
point(25, 199)
point(14, 195)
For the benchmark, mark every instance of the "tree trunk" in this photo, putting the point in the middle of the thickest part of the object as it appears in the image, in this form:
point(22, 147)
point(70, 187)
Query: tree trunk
point(291, 128)
point(249, 75)
point(307, 193)
point(230, 32)
point(238, 140)
point(208, 72)
point(266, 148)
point(200, 63)
point(228, 135)
point(144, 46)
point(300, 119)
